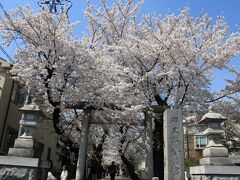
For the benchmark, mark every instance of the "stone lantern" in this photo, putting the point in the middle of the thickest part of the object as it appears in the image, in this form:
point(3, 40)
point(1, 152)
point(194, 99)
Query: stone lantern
point(31, 116)
point(215, 163)
point(25, 145)
point(214, 153)
point(24, 159)
point(213, 121)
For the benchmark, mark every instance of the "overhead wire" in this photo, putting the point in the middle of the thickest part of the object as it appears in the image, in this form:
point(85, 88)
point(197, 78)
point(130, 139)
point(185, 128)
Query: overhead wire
point(1, 48)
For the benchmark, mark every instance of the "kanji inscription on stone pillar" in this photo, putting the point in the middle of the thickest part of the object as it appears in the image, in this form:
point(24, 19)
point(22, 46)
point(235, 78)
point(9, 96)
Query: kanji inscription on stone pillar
point(173, 145)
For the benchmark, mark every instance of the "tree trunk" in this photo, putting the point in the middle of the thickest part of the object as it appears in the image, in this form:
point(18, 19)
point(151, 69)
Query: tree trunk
point(56, 119)
point(158, 148)
point(149, 146)
point(98, 153)
point(130, 167)
point(158, 154)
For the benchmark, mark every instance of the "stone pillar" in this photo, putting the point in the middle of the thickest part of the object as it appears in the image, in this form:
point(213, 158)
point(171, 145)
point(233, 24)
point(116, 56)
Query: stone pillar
point(81, 163)
point(173, 145)
point(149, 147)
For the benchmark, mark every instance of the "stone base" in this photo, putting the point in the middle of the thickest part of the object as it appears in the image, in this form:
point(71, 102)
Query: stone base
point(21, 152)
point(215, 172)
point(19, 173)
point(26, 143)
point(215, 152)
point(216, 161)
point(22, 168)
point(24, 147)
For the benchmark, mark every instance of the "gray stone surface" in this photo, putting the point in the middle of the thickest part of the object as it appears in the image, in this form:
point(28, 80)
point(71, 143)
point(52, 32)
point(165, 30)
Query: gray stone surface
point(25, 143)
point(19, 161)
point(22, 168)
point(215, 164)
point(20, 152)
point(214, 177)
point(80, 171)
point(220, 170)
point(21, 173)
point(215, 173)
point(26, 147)
point(23, 161)
point(212, 115)
point(173, 145)
point(218, 161)
point(215, 152)
point(14, 173)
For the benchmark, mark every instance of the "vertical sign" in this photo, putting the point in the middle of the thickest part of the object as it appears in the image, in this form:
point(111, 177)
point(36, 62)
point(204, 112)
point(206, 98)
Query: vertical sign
point(173, 145)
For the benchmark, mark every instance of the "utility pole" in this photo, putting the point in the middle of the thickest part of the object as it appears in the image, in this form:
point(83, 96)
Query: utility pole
point(54, 6)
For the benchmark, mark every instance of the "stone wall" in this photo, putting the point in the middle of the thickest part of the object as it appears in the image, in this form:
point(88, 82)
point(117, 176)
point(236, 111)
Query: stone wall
point(214, 177)
point(215, 172)
point(22, 173)
point(23, 168)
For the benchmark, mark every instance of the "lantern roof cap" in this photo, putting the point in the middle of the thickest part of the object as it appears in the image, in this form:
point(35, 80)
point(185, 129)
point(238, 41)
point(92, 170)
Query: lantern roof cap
point(211, 115)
point(30, 105)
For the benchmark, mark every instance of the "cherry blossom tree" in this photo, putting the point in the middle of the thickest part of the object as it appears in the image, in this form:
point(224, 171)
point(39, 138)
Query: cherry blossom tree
point(63, 73)
point(171, 59)
point(125, 146)
point(231, 110)
point(60, 70)
point(126, 62)
point(132, 149)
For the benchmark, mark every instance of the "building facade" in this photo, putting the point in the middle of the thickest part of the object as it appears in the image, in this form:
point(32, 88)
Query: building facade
point(9, 114)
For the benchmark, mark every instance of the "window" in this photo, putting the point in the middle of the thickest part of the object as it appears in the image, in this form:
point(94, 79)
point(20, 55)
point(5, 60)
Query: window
point(201, 142)
point(30, 117)
point(215, 125)
point(17, 96)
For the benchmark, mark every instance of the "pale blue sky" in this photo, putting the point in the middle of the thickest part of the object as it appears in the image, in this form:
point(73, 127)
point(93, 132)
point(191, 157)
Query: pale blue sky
point(229, 9)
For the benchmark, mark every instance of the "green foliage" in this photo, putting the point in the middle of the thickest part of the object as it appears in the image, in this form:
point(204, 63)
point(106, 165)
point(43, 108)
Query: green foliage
point(189, 163)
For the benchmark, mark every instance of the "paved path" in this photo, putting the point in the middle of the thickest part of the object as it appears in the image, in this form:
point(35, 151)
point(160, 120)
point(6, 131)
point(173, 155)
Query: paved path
point(117, 178)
